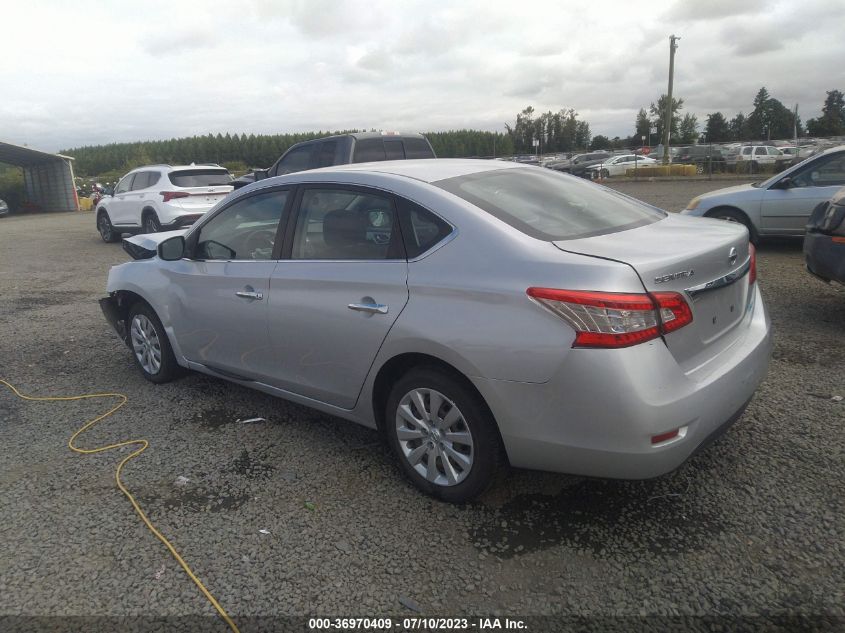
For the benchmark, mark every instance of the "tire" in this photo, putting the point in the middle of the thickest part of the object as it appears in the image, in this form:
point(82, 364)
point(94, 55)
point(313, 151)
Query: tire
point(604, 174)
point(105, 228)
point(454, 463)
point(150, 346)
point(151, 223)
point(731, 215)
point(699, 169)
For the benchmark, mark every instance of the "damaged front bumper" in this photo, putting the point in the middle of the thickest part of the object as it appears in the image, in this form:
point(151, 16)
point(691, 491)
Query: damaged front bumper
point(115, 316)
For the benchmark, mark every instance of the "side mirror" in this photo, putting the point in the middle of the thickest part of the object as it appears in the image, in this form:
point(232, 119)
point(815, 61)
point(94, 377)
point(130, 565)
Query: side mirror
point(261, 174)
point(785, 183)
point(172, 249)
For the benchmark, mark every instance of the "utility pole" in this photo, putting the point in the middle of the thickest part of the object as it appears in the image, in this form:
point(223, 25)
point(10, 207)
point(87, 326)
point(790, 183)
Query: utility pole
point(667, 123)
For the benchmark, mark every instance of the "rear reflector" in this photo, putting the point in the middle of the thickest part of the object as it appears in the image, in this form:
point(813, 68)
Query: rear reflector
point(170, 195)
point(613, 320)
point(663, 437)
point(752, 271)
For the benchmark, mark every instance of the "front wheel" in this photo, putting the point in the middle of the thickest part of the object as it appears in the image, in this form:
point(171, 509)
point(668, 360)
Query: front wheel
point(444, 437)
point(105, 228)
point(604, 174)
point(150, 346)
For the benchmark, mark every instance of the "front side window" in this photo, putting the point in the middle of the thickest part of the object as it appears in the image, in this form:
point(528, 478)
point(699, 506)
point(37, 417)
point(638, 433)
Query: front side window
point(246, 230)
point(550, 206)
point(760, 151)
point(125, 183)
point(774, 151)
point(297, 159)
point(746, 151)
point(346, 224)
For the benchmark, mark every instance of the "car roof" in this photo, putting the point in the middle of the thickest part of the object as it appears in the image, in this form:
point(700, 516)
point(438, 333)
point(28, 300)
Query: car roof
point(424, 169)
point(170, 168)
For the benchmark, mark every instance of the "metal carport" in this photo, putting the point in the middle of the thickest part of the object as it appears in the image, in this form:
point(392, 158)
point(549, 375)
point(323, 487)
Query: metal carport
point(48, 178)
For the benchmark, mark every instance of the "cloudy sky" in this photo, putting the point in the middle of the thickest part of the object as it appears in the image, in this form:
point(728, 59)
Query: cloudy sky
point(84, 72)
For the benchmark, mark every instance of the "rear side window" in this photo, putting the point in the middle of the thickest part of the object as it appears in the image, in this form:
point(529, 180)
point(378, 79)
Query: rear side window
point(393, 149)
point(200, 177)
point(420, 227)
point(368, 150)
point(346, 224)
point(417, 148)
point(325, 155)
point(144, 179)
point(550, 206)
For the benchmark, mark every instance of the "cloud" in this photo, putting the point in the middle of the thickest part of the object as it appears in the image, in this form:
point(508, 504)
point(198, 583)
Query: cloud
point(698, 10)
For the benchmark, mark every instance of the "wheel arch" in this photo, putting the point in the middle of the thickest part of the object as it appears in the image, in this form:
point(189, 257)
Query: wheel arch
point(397, 366)
point(711, 213)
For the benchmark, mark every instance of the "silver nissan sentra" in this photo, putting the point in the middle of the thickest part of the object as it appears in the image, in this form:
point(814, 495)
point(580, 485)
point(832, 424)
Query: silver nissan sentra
point(478, 313)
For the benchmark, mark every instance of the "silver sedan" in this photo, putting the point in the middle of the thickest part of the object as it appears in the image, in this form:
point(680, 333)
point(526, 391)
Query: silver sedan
point(478, 313)
point(781, 205)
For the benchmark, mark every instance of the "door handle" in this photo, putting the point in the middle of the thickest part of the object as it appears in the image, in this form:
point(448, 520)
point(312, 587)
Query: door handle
point(250, 294)
point(372, 308)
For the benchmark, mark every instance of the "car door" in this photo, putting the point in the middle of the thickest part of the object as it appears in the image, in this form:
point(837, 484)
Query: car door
point(336, 292)
point(134, 199)
point(117, 206)
point(785, 211)
point(220, 292)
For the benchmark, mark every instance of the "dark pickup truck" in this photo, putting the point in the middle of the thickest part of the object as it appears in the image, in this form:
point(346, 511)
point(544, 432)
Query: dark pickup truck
point(358, 147)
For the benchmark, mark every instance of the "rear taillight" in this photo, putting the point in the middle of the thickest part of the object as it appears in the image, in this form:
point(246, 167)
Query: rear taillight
point(170, 195)
point(609, 319)
point(752, 271)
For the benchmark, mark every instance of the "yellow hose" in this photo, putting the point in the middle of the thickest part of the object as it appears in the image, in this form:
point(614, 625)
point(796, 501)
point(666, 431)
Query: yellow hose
point(141, 447)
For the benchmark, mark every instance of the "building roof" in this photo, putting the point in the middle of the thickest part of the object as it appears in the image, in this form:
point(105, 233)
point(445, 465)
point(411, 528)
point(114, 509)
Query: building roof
point(25, 156)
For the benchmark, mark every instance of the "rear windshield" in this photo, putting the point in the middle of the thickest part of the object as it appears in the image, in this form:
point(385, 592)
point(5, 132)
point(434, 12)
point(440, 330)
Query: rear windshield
point(200, 177)
point(547, 205)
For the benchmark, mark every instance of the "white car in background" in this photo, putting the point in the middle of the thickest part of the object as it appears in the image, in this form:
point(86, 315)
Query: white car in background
point(619, 165)
point(161, 198)
point(753, 156)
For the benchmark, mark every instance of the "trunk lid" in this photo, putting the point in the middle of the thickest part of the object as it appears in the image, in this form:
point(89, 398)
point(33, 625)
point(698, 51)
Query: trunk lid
point(704, 260)
point(203, 198)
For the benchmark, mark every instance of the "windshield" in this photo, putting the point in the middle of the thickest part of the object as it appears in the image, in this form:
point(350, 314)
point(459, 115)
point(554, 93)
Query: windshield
point(200, 177)
point(550, 206)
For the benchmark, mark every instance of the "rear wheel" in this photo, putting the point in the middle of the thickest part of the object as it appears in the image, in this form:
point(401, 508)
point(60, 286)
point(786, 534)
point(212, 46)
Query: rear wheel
point(105, 228)
point(151, 222)
point(444, 437)
point(150, 345)
point(604, 173)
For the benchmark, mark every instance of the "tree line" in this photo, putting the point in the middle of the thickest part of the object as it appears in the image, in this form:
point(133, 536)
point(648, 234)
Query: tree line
point(561, 131)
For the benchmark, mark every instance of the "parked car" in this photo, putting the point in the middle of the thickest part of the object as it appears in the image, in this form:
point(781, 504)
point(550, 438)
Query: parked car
point(579, 164)
point(359, 147)
point(780, 205)
point(707, 159)
point(751, 158)
point(618, 165)
point(824, 243)
point(604, 338)
point(4, 208)
point(161, 198)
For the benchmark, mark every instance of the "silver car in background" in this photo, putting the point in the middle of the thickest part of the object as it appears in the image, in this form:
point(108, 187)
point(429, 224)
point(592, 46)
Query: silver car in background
point(781, 205)
point(478, 313)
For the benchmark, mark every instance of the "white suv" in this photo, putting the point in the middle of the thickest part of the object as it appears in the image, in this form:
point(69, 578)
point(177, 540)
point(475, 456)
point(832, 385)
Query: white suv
point(160, 198)
point(757, 155)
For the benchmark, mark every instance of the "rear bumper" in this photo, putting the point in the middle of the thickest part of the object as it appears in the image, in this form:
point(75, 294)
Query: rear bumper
point(181, 221)
point(597, 415)
point(824, 258)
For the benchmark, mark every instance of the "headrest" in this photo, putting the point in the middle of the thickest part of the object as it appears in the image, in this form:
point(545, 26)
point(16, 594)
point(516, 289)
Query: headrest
point(344, 228)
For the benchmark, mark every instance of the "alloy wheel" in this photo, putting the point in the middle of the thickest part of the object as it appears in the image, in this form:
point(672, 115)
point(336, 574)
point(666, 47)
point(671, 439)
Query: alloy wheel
point(434, 437)
point(145, 344)
point(151, 224)
point(104, 227)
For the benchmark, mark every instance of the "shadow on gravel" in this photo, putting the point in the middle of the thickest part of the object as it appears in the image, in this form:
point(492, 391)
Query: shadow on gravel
point(215, 418)
point(54, 298)
point(781, 245)
point(599, 516)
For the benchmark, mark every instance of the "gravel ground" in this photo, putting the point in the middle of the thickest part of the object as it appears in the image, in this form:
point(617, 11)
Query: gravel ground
point(753, 526)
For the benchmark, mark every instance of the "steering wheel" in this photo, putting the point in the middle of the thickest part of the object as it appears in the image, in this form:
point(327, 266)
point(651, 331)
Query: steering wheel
point(262, 240)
